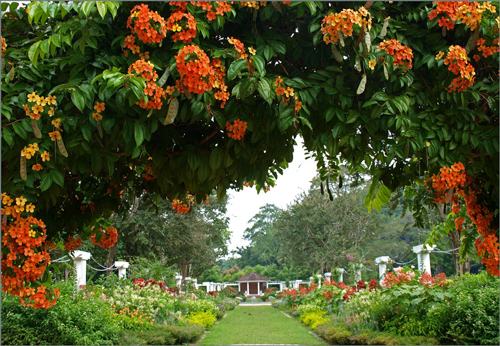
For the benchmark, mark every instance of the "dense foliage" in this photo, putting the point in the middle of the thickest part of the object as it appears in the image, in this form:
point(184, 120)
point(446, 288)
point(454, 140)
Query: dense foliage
point(105, 98)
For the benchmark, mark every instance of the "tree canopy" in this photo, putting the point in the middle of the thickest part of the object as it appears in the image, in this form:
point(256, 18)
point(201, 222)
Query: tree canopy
point(184, 98)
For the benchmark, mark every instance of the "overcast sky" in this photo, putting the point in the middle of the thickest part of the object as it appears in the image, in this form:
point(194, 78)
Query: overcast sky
point(244, 204)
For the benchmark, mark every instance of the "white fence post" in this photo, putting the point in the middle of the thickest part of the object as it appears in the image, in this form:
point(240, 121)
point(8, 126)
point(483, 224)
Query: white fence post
point(328, 276)
point(319, 277)
point(341, 274)
point(178, 281)
point(424, 258)
point(81, 258)
point(382, 265)
point(122, 268)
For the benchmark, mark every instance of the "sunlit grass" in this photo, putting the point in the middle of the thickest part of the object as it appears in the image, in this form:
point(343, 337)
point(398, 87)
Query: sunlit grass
point(258, 325)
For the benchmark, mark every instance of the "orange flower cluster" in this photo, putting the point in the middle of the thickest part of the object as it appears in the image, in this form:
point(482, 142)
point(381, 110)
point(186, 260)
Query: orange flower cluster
point(181, 207)
point(487, 51)
point(336, 24)
point(237, 130)
point(470, 13)
point(214, 8)
point(220, 82)
point(239, 46)
point(130, 44)
point(109, 237)
point(183, 25)
point(454, 180)
point(428, 281)
point(4, 46)
point(144, 69)
point(399, 51)
point(149, 175)
point(287, 94)
point(37, 105)
point(29, 151)
point(252, 4)
point(197, 75)
point(149, 26)
point(24, 254)
point(73, 244)
point(99, 107)
point(459, 65)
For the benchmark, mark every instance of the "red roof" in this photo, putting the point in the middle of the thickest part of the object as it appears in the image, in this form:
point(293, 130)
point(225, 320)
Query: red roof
point(253, 276)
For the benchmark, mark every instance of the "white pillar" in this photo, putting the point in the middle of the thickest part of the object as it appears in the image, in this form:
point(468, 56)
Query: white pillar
point(239, 286)
point(122, 268)
point(382, 265)
point(178, 281)
point(341, 274)
point(328, 276)
point(195, 283)
point(357, 272)
point(258, 288)
point(424, 258)
point(319, 276)
point(81, 258)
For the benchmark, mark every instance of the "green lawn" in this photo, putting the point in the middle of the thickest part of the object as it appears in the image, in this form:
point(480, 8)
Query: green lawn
point(258, 325)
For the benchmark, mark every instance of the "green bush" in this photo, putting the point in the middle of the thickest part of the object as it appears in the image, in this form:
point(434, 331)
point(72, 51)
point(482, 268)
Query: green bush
point(85, 320)
point(340, 334)
point(205, 319)
point(163, 335)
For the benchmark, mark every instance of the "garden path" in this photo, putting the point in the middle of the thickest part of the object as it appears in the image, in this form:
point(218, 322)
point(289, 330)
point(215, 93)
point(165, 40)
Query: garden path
point(258, 324)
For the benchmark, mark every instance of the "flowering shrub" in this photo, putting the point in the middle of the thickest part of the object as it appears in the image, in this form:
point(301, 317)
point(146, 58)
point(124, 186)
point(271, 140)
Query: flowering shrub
point(150, 300)
point(203, 318)
point(314, 319)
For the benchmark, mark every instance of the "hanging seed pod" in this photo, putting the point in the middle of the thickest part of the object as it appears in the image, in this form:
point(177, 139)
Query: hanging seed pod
point(322, 190)
point(22, 168)
point(384, 27)
point(340, 181)
point(99, 128)
point(341, 39)
point(35, 128)
point(276, 5)
point(62, 148)
point(357, 65)
point(328, 190)
point(336, 53)
point(172, 112)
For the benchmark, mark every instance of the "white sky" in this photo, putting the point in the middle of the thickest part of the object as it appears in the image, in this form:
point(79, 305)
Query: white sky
point(244, 204)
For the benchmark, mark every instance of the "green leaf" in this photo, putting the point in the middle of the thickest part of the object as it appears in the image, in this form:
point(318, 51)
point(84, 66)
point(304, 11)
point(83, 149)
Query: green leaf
point(46, 182)
point(216, 158)
point(57, 177)
point(362, 85)
point(7, 136)
point(87, 133)
point(101, 7)
point(193, 161)
point(277, 46)
point(371, 192)
point(31, 52)
point(265, 91)
point(259, 63)
point(78, 99)
point(236, 68)
point(311, 5)
point(139, 133)
point(268, 52)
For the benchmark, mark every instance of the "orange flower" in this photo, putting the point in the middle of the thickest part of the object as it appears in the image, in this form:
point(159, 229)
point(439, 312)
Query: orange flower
point(37, 167)
point(96, 116)
point(398, 51)
point(55, 135)
point(99, 107)
point(237, 130)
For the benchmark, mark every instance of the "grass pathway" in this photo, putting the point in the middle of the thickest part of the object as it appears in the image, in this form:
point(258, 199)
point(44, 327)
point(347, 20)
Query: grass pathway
point(258, 325)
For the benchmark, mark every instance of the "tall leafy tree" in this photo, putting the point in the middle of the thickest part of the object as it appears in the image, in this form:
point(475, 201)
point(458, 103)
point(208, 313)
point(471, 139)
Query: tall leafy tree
point(92, 90)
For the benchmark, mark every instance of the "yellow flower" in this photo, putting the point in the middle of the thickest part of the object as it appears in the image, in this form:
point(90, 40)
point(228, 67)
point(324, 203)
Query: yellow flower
point(7, 200)
point(33, 97)
point(37, 109)
point(372, 64)
point(21, 201)
point(32, 234)
point(428, 144)
point(251, 50)
point(144, 56)
point(19, 208)
point(51, 111)
point(42, 101)
point(45, 156)
point(57, 124)
point(439, 55)
point(51, 99)
point(30, 208)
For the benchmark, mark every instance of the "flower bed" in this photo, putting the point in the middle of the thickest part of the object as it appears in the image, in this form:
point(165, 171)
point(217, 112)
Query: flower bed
point(409, 307)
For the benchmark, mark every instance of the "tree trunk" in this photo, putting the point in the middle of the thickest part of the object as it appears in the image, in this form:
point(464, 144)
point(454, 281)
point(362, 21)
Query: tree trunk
point(112, 252)
point(66, 274)
point(454, 237)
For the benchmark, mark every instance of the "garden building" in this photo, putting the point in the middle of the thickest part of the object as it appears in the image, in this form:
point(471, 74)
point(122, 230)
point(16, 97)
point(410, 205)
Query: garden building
point(253, 284)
